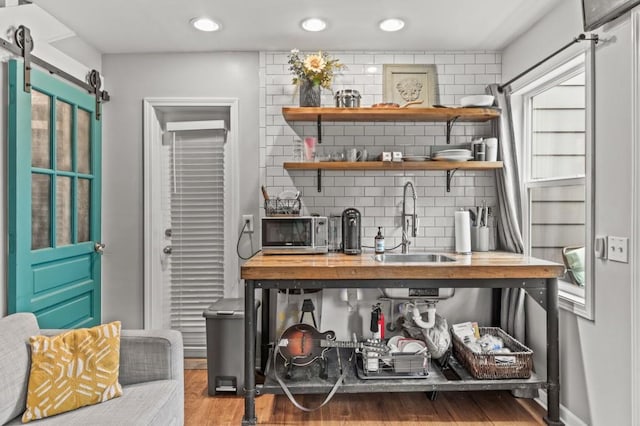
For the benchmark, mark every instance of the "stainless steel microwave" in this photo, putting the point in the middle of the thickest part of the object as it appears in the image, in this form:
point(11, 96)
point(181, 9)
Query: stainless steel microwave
point(295, 235)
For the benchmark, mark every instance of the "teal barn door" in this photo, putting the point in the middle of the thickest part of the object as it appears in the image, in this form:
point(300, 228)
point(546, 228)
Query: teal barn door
point(54, 191)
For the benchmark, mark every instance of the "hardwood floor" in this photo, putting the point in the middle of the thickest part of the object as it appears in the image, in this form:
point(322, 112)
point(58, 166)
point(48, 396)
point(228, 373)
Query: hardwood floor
point(450, 408)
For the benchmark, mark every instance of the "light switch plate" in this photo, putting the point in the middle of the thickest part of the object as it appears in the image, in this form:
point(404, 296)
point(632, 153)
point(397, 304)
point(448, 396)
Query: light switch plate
point(618, 249)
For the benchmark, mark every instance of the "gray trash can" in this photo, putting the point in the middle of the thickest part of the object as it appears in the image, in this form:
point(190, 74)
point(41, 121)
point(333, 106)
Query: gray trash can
point(225, 345)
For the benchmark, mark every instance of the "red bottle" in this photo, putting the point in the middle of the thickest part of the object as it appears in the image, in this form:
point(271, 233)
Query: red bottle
point(381, 324)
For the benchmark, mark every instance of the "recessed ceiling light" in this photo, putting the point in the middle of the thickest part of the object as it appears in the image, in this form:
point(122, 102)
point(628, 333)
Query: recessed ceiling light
point(205, 24)
point(392, 24)
point(313, 24)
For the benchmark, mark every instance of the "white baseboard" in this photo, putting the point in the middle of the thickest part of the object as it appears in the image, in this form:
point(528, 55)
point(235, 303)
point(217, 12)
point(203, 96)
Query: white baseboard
point(566, 416)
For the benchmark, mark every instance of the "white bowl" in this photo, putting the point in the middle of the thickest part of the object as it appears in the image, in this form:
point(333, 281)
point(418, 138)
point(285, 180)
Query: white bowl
point(413, 346)
point(477, 100)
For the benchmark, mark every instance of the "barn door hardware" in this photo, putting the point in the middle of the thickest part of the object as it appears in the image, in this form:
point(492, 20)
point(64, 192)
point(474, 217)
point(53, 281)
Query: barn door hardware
point(25, 43)
point(23, 46)
point(101, 96)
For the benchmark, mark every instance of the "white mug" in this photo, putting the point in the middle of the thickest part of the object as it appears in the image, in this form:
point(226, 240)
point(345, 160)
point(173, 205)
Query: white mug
point(352, 154)
point(491, 149)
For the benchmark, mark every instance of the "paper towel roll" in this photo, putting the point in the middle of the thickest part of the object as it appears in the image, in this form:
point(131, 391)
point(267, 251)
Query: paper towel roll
point(463, 232)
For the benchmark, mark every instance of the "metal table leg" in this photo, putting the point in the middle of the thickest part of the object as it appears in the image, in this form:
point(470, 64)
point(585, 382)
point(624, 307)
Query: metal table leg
point(265, 340)
point(553, 355)
point(249, 354)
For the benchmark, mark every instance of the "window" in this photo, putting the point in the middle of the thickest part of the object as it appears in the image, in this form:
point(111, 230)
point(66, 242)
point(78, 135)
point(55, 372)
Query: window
point(557, 190)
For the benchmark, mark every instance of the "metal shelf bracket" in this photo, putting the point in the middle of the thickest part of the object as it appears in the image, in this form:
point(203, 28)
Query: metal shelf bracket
point(319, 131)
point(450, 174)
point(450, 124)
point(319, 180)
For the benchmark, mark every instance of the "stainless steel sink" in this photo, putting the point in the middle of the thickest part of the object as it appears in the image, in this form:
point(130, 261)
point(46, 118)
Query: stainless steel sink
point(414, 258)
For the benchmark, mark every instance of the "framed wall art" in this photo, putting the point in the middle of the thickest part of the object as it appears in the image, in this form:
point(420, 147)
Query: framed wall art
point(408, 83)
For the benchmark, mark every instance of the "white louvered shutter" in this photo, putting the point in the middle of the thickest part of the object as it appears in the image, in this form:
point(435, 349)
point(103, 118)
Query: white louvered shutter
point(197, 240)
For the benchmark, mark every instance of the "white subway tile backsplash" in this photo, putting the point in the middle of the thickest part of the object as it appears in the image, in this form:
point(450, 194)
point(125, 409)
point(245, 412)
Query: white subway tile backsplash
point(392, 130)
point(376, 193)
point(493, 69)
point(403, 59)
point(464, 79)
point(454, 89)
point(445, 59)
point(334, 191)
point(383, 59)
point(474, 69)
point(344, 181)
point(276, 69)
point(486, 58)
point(454, 69)
point(367, 201)
point(363, 59)
point(465, 59)
point(424, 59)
point(486, 78)
point(374, 131)
point(472, 89)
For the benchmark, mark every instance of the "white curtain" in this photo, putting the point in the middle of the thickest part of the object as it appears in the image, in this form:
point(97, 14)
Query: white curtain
point(512, 316)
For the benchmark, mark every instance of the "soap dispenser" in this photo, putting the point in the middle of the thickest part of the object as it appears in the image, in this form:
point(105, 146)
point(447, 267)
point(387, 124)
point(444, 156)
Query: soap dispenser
point(379, 246)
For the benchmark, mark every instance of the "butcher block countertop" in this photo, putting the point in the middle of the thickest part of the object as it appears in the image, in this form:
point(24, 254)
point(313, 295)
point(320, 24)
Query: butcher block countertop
point(339, 266)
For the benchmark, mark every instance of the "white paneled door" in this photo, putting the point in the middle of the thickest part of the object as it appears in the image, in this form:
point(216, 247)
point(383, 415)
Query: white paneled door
point(189, 207)
point(193, 213)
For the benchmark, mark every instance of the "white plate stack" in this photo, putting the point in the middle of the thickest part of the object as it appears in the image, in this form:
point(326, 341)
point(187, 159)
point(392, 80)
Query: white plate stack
point(415, 158)
point(453, 155)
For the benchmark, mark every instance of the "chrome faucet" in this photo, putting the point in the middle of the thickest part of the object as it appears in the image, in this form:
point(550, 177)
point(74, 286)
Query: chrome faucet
point(405, 221)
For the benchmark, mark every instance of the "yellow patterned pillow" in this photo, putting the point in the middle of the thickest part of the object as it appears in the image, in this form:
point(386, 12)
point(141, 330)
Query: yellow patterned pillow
point(74, 369)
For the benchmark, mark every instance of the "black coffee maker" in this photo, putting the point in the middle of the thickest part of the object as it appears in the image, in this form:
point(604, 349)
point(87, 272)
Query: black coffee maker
point(351, 236)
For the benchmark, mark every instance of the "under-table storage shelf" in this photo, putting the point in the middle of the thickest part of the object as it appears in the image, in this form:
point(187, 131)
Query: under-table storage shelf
point(306, 380)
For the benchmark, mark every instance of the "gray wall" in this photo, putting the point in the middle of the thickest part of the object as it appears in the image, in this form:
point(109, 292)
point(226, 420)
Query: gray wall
point(595, 355)
point(131, 78)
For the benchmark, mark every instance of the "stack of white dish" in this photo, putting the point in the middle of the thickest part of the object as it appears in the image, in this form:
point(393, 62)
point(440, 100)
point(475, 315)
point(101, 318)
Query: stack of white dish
point(453, 155)
point(415, 157)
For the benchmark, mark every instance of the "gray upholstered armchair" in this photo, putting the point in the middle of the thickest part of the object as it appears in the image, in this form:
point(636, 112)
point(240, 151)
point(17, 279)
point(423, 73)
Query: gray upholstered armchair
point(151, 374)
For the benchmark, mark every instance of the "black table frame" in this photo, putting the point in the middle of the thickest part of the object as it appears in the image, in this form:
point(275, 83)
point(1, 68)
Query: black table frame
point(543, 291)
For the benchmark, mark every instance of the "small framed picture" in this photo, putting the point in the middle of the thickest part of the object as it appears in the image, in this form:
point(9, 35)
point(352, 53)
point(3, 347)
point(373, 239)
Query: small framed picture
point(410, 83)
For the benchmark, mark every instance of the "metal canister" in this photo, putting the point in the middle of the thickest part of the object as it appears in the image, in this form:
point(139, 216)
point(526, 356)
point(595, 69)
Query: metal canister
point(347, 98)
point(479, 151)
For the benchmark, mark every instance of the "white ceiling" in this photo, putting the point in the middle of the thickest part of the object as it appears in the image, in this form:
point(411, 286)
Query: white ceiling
point(134, 26)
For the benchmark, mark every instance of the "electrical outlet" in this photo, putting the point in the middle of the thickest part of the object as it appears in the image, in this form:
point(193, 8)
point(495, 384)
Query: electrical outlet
point(618, 249)
point(248, 219)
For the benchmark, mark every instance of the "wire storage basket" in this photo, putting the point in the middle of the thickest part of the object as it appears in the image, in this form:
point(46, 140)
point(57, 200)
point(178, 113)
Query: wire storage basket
point(284, 207)
point(514, 365)
point(399, 365)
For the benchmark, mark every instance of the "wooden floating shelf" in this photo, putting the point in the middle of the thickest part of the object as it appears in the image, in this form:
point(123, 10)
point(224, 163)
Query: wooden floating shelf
point(449, 166)
point(389, 114)
point(402, 165)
